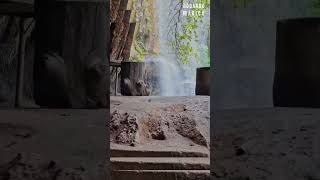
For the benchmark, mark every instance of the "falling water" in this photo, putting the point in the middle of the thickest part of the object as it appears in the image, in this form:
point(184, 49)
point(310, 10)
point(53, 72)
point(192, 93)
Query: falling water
point(176, 79)
point(171, 78)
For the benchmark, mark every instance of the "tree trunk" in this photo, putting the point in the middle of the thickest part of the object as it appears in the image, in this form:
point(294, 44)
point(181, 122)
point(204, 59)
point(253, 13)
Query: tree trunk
point(132, 79)
point(122, 32)
point(120, 24)
point(71, 54)
point(203, 81)
point(127, 46)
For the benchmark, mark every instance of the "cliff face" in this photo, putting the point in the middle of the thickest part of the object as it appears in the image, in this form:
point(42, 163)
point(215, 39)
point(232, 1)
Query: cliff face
point(9, 48)
point(71, 55)
point(65, 56)
point(121, 31)
point(133, 33)
point(8, 59)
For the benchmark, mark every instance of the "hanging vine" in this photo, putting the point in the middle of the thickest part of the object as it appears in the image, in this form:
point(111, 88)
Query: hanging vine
point(144, 37)
point(183, 30)
point(183, 27)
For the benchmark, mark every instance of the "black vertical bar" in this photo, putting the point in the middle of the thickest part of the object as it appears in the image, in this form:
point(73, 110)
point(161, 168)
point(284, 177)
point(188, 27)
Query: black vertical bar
point(116, 83)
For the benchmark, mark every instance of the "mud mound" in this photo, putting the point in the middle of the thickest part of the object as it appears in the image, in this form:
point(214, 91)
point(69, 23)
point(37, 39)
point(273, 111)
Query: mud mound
point(186, 126)
point(123, 128)
point(157, 124)
point(152, 124)
point(184, 123)
point(173, 121)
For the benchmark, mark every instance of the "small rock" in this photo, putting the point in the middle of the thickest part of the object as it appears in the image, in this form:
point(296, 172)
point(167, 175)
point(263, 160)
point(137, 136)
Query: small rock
point(240, 152)
point(283, 154)
point(158, 135)
point(51, 165)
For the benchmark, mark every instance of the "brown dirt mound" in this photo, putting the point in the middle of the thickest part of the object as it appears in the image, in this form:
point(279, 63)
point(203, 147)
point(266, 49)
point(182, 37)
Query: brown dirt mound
point(186, 126)
point(172, 121)
point(153, 126)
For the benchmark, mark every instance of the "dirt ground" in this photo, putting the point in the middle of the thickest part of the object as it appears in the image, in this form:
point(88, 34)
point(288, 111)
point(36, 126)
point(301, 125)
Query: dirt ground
point(257, 144)
point(160, 122)
point(266, 144)
point(52, 144)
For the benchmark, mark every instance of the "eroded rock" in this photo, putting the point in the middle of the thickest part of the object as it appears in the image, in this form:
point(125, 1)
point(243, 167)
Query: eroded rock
point(135, 89)
point(123, 128)
point(160, 121)
point(153, 126)
point(186, 126)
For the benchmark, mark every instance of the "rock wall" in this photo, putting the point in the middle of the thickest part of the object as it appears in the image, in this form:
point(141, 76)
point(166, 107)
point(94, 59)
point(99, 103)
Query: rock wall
point(9, 32)
point(9, 48)
point(133, 34)
point(72, 55)
point(28, 85)
point(66, 56)
point(243, 50)
point(121, 34)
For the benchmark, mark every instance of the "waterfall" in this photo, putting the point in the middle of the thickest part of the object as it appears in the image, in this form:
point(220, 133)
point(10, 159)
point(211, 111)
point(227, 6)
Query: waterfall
point(175, 78)
point(170, 78)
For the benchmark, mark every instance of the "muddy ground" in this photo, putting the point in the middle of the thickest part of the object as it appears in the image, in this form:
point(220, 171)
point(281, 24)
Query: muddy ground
point(160, 122)
point(266, 144)
point(52, 144)
point(257, 144)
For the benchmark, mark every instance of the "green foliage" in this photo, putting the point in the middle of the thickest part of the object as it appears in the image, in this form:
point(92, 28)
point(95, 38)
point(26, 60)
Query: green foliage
point(315, 7)
point(141, 51)
point(143, 17)
point(185, 31)
point(204, 55)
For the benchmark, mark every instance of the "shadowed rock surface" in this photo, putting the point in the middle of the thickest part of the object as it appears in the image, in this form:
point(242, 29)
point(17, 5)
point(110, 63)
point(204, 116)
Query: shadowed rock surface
point(18, 169)
point(82, 49)
point(52, 144)
point(63, 57)
point(9, 39)
point(123, 128)
point(70, 44)
point(257, 144)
